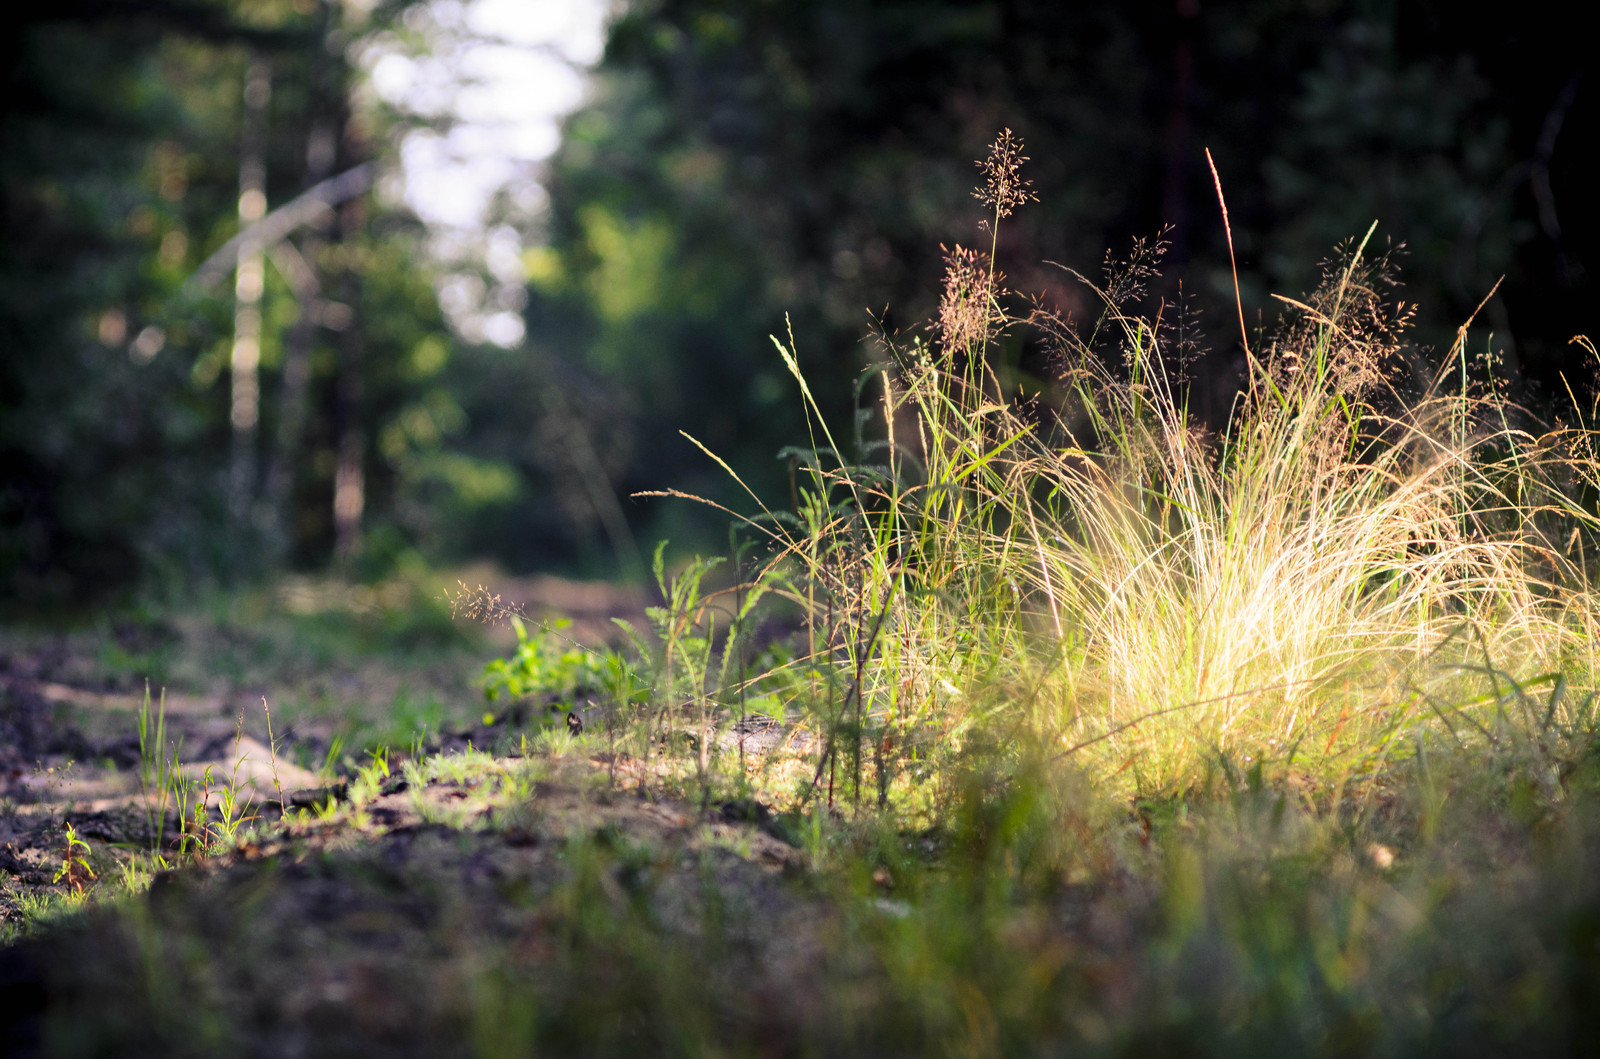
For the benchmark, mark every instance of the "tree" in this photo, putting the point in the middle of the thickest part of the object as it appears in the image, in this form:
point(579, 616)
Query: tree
point(137, 397)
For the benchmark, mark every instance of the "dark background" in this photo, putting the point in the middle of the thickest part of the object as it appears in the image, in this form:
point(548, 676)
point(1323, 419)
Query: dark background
point(737, 161)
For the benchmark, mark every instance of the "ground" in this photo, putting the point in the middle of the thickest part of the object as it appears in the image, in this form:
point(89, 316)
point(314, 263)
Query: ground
point(412, 887)
point(407, 869)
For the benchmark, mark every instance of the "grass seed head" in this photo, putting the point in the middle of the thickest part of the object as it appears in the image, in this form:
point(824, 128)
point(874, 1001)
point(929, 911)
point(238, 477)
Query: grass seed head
point(481, 605)
point(1004, 188)
point(967, 306)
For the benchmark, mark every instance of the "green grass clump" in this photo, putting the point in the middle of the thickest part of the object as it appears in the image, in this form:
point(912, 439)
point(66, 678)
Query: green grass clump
point(1370, 551)
point(1365, 551)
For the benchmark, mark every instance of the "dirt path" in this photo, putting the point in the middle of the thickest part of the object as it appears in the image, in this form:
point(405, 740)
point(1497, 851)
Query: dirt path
point(392, 911)
point(396, 927)
point(267, 693)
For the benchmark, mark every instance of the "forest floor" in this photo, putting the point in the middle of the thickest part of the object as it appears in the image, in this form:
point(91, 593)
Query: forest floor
point(319, 916)
point(405, 873)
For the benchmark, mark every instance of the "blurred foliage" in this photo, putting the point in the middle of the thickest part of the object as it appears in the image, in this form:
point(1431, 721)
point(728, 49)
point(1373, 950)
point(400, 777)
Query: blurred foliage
point(735, 163)
point(120, 168)
point(743, 161)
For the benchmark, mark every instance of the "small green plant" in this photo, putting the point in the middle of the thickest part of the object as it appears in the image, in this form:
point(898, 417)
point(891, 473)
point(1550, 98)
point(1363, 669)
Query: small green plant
point(163, 785)
point(370, 778)
point(233, 813)
point(159, 775)
point(333, 759)
point(545, 662)
point(272, 750)
point(75, 868)
point(136, 872)
point(189, 800)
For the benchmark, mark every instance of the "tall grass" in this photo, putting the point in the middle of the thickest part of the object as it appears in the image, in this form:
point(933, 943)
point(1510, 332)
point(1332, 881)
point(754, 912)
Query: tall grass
point(1345, 559)
point(1368, 551)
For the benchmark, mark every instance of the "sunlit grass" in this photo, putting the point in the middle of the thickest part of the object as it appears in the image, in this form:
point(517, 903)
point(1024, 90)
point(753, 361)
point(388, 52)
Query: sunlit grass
point(1362, 553)
point(1323, 576)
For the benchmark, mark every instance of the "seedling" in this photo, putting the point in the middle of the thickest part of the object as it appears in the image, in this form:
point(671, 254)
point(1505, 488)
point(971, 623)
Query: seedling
point(75, 867)
point(233, 813)
point(160, 779)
